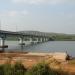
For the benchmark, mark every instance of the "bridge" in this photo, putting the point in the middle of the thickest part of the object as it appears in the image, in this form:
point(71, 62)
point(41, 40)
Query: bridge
point(32, 36)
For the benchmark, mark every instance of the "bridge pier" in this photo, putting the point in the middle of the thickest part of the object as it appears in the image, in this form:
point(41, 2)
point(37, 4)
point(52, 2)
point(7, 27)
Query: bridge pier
point(30, 40)
point(39, 40)
point(47, 39)
point(21, 41)
point(2, 44)
point(35, 40)
point(43, 39)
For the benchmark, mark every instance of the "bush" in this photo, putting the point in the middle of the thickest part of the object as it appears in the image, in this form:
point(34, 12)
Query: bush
point(1, 70)
point(7, 69)
point(18, 69)
point(41, 69)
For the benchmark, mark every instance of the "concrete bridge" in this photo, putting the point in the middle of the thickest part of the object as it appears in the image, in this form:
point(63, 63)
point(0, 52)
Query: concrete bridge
point(32, 36)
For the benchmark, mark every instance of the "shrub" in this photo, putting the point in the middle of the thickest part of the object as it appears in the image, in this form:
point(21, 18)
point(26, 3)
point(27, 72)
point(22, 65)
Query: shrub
point(1, 70)
point(7, 69)
point(18, 69)
point(41, 69)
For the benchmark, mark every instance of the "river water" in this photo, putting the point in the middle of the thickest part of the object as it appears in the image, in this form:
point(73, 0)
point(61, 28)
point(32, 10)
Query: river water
point(51, 46)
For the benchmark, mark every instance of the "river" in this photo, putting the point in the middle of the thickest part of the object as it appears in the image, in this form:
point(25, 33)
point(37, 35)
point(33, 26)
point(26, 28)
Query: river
point(51, 46)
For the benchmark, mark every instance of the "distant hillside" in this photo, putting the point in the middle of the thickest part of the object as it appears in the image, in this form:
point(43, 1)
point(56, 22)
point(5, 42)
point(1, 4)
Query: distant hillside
point(63, 37)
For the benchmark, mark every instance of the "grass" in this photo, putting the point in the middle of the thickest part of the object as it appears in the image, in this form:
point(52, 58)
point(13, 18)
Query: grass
point(38, 69)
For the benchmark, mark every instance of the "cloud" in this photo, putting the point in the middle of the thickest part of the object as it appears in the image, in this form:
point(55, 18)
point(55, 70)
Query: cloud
point(14, 13)
point(42, 1)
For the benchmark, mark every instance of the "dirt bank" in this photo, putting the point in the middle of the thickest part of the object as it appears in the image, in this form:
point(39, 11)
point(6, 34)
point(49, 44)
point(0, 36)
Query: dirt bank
point(30, 59)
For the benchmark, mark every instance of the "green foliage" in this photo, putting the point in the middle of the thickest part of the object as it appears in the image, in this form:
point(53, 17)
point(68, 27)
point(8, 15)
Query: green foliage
point(7, 69)
point(1, 70)
point(41, 69)
point(19, 69)
point(63, 37)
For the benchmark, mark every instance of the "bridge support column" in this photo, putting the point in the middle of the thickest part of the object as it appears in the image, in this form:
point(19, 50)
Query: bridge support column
point(47, 39)
point(31, 40)
point(2, 44)
point(21, 41)
point(36, 40)
point(44, 39)
point(40, 40)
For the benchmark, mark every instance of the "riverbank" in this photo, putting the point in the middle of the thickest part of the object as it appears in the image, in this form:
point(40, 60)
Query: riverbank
point(29, 59)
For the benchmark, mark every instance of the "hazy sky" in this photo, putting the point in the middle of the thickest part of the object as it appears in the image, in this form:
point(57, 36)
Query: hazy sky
point(39, 15)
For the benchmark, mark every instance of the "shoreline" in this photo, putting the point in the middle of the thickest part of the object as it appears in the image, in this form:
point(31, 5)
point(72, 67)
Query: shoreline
point(59, 56)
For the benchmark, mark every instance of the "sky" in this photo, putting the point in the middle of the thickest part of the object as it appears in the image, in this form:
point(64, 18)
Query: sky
point(38, 15)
